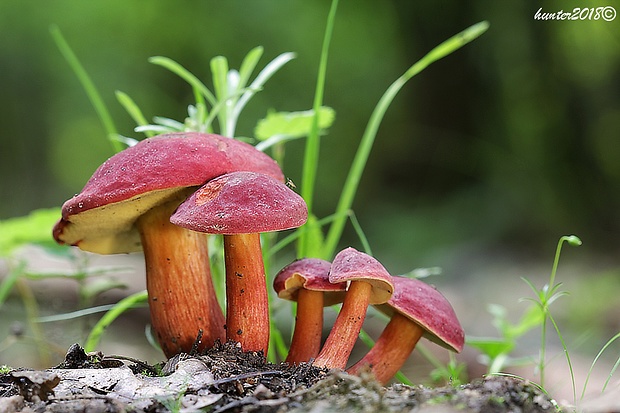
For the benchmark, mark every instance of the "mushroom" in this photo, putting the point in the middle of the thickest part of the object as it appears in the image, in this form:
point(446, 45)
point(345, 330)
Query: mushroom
point(126, 206)
point(306, 281)
point(241, 205)
point(370, 283)
point(416, 309)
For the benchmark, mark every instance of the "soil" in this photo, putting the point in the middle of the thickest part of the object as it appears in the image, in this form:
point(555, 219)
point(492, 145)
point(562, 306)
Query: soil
point(225, 379)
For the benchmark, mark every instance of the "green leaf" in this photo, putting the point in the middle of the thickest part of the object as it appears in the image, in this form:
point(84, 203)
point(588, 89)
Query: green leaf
point(133, 110)
point(491, 347)
point(248, 65)
point(292, 124)
point(532, 317)
point(35, 228)
point(186, 75)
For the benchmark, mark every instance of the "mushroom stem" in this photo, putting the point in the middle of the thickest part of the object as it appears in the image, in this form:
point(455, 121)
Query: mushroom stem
point(247, 307)
point(346, 329)
point(182, 298)
point(306, 341)
point(391, 349)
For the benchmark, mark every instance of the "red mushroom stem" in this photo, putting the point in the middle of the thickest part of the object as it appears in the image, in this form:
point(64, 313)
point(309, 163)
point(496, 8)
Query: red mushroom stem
point(391, 349)
point(346, 329)
point(247, 307)
point(182, 298)
point(306, 341)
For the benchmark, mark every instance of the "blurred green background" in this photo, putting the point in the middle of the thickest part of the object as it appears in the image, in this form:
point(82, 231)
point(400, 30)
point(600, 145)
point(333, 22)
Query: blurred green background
point(494, 151)
point(511, 140)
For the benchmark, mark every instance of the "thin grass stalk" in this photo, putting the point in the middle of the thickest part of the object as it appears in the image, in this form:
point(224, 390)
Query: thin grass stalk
point(92, 341)
point(89, 87)
point(361, 156)
point(311, 151)
point(600, 353)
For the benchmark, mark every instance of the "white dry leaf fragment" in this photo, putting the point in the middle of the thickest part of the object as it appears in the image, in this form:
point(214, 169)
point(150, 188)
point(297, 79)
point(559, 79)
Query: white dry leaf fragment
point(140, 392)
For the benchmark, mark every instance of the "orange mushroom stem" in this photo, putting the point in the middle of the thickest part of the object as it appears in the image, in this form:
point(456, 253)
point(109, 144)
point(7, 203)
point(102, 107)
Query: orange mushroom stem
point(306, 281)
point(247, 305)
point(391, 350)
point(370, 283)
point(182, 298)
point(416, 309)
point(241, 205)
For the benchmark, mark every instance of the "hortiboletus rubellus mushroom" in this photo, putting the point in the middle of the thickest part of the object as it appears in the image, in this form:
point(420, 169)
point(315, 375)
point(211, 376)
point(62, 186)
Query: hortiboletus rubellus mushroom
point(369, 283)
point(126, 207)
point(242, 205)
point(416, 310)
point(306, 281)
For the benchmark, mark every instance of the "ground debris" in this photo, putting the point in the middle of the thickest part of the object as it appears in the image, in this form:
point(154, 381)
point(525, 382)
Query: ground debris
point(226, 379)
point(495, 394)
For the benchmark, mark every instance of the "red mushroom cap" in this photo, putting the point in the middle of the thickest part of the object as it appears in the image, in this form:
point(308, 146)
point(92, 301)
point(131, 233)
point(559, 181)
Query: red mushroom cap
point(310, 274)
point(424, 305)
point(241, 203)
point(352, 265)
point(101, 218)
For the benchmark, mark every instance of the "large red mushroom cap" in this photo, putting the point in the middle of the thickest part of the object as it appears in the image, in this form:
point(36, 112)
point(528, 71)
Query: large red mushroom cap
point(126, 207)
point(101, 218)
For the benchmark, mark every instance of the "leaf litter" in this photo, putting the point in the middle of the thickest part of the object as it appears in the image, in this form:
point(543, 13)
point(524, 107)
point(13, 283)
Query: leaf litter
point(226, 379)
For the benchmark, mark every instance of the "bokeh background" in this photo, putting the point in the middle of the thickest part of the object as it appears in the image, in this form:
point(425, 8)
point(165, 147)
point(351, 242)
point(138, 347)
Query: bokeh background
point(482, 162)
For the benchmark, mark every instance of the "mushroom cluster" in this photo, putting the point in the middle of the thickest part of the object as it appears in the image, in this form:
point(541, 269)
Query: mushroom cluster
point(127, 205)
point(163, 195)
point(415, 308)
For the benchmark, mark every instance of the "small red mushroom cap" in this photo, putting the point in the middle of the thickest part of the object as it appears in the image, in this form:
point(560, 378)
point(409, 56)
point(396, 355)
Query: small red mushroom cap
point(353, 265)
point(424, 305)
point(241, 203)
point(101, 218)
point(310, 274)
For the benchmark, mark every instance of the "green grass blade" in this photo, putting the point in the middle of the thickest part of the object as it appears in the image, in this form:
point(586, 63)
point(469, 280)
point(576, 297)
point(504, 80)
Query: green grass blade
point(75, 314)
point(248, 65)
point(219, 72)
point(133, 110)
point(600, 353)
point(257, 84)
point(611, 373)
point(566, 355)
point(186, 75)
point(360, 233)
point(361, 156)
point(311, 150)
point(89, 87)
point(8, 283)
point(119, 308)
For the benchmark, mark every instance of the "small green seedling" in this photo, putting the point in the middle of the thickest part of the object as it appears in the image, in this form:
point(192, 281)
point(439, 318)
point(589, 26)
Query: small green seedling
point(497, 352)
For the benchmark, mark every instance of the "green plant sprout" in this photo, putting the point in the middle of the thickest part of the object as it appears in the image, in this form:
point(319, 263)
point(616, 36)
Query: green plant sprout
point(497, 350)
point(545, 296)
